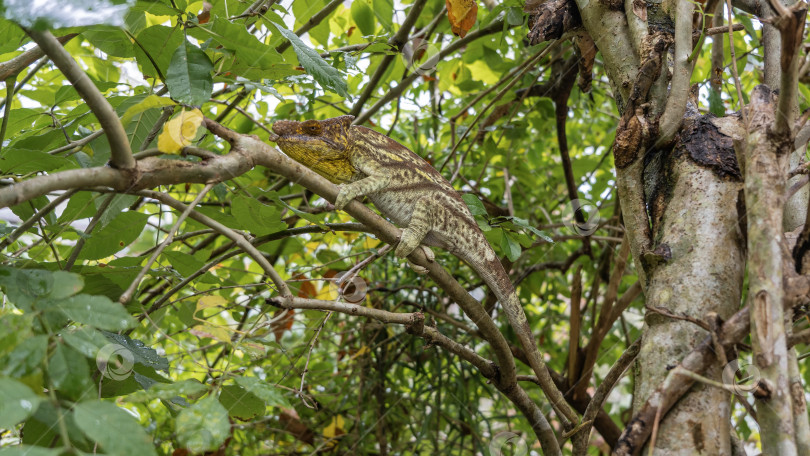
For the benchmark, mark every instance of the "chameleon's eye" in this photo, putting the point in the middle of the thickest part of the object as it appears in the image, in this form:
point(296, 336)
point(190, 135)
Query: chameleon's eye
point(312, 127)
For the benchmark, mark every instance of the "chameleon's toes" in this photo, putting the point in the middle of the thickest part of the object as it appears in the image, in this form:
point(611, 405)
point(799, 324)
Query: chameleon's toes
point(407, 244)
point(343, 198)
point(421, 270)
point(429, 254)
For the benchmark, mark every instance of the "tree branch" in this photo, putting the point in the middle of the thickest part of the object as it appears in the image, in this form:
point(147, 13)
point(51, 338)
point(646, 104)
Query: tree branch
point(15, 65)
point(396, 42)
point(121, 154)
point(494, 27)
point(671, 119)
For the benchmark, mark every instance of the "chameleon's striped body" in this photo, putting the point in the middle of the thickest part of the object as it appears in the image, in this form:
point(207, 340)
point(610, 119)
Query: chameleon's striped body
point(406, 189)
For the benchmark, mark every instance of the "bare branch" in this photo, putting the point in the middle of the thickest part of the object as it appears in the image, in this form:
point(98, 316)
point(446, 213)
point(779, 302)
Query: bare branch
point(671, 119)
point(17, 64)
point(312, 22)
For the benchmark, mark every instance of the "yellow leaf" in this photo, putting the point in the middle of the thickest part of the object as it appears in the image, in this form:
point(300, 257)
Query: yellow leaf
point(335, 428)
point(212, 332)
point(364, 350)
point(152, 101)
point(372, 243)
point(179, 131)
point(210, 301)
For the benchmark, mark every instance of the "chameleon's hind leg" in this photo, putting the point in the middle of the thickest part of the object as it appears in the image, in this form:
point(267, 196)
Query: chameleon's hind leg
point(412, 235)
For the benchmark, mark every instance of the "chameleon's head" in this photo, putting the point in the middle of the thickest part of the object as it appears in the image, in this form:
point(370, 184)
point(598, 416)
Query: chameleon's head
point(320, 145)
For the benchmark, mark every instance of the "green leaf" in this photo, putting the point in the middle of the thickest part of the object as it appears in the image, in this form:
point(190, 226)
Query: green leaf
point(524, 224)
point(115, 208)
point(189, 77)
point(183, 263)
point(22, 161)
point(11, 36)
point(242, 53)
point(156, 47)
point(69, 372)
point(749, 27)
point(112, 238)
point(240, 402)
point(26, 357)
point(115, 430)
point(271, 395)
point(256, 217)
point(384, 9)
point(143, 355)
point(363, 16)
point(204, 426)
point(166, 391)
point(510, 246)
point(65, 284)
point(26, 286)
point(30, 450)
point(474, 204)
point(17, 402)
point(514, 16)
point(326, 75)
point(87, 341)
point(98, 311)
point(111, 40)
point(314, 218)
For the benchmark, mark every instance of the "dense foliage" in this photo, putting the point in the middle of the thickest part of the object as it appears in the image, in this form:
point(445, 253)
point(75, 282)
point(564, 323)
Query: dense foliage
point(198, 358)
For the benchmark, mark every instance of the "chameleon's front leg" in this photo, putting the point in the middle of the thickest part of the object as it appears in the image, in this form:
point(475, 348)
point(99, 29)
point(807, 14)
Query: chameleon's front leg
point(363, 187)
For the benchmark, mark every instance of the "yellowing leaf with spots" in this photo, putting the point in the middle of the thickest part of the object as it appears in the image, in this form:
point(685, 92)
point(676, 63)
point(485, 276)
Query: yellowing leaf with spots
point(210, 301)
point(179, 131)
point(462, 15)
point(212, 332)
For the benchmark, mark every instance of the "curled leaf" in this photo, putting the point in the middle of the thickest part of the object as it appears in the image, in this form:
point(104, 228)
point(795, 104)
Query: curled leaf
point(179, 131)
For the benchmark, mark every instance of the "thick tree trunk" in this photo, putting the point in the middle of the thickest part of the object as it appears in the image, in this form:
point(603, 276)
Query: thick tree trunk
point(698, 270)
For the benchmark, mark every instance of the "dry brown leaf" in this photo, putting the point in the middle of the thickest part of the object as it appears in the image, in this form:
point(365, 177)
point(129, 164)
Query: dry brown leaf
point(462, 15)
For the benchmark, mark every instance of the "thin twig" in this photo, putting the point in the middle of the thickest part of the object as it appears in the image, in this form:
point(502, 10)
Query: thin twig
point(127, 295)
point(312, 343)
point(239, 239)
point(603, 391)
point(34, 218)
point(90, 227)
point(494, 27)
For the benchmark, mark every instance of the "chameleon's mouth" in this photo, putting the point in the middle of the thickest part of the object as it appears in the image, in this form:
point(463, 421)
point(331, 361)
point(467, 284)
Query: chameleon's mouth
point(284, 127)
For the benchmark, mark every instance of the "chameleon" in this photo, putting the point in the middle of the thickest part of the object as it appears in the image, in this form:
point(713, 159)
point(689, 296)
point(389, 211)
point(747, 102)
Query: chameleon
point(409, 191)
